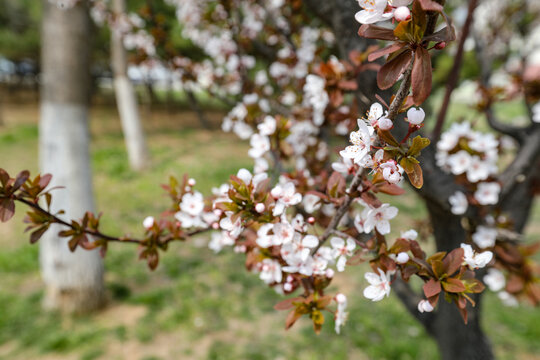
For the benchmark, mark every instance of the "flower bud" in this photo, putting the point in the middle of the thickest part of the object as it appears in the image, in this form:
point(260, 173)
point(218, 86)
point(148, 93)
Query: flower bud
point(329, 273)
point(215, 226)
point(311, 220)
point(341, 298)
point(148, 222)
point(191, 182)
point(385, 123)
point(402, 258)
point(440, 45)
point(287, 287)
point(424, 306)
point(402, 13)
point(259, 207)
point(416, 116)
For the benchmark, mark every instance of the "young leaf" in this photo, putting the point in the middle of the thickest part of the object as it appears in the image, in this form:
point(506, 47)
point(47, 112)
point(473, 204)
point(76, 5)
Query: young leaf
point(453, 285)
point(36, 235)
point(421, 76)
point(432, 288)
point(386, 50)
point(452, 262)
point(376, 32)
point(392, 70)
point(7, 209)
point(418, 144)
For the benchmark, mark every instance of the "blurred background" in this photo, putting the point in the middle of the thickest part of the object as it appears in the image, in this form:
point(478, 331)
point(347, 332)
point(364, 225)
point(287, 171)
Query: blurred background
point(196, 305)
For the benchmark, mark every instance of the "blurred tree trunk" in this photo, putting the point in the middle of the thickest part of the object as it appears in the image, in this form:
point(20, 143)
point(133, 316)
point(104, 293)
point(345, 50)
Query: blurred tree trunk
point(74, 281)
point(126, 100)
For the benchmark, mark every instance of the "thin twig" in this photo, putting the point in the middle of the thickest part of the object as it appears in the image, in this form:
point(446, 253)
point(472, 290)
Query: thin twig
point(452, 78)
point(357, 179)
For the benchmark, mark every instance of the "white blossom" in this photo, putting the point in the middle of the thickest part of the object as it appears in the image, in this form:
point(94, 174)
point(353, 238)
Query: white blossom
point(476, 260)
point(378, 219)
point(484, 237)
point(488, 193)
point(424, 306)
point(459, 203)
point(495, 280)
point(341, 249)
point(379, 285)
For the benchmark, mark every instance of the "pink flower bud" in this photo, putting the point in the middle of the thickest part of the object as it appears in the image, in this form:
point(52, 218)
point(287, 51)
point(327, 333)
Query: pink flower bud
point(287, 287)
point(329, 273)
point(385, 123)
point(187, 189)
point(191, 182)
point(341, 298)
point(215, 226)
point(217, 212)
point(402, 258)
point(440, 45)
point(402, 13)
point(311, 220)
point(259, 207)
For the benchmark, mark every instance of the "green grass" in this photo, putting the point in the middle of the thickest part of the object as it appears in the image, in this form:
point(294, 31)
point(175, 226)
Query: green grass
point(196, 305)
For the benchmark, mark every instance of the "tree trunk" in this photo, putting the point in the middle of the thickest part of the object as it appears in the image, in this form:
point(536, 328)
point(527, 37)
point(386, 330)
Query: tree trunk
point(125, 99)
point(456, 340)
point(74, 281)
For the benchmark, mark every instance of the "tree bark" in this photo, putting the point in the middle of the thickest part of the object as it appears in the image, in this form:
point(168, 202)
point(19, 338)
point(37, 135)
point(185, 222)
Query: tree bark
point(455, 339)
point(74, 281)
point(126, 100)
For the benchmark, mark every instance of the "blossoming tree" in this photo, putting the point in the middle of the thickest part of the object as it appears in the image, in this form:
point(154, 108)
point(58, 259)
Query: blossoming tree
point(297, 75)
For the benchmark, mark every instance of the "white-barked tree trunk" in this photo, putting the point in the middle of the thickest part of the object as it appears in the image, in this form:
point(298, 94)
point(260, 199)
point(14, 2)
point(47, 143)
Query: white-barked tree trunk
point(125, 98)
point(74, 281)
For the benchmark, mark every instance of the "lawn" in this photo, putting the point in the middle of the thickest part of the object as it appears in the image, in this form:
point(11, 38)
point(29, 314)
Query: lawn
point(196, 305)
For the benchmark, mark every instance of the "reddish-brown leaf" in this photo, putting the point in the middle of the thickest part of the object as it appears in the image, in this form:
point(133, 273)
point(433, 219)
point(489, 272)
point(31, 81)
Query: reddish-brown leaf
point(421, 76)
point(416, 249)
point(390, 189)
point(286, 304)
point(4, 177)
point(291, 318)
point(430, 5)
point(463, 313)
point(452, 262)
point(371, 199)
point(21, 179)
point(445, 34)
point(432, 288)
point(7, 209)
point(392, 70)
point(376, 32)
point(453, 285)
point(44, 180)
point(385, 50)
point(36, 235)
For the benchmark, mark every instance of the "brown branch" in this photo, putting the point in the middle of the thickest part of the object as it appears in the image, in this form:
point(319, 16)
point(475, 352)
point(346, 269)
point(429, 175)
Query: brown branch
point(524, 165)
point(409, 298)
point(485, 62)
point(452, 78)
point(357, 179)
point(95, 233)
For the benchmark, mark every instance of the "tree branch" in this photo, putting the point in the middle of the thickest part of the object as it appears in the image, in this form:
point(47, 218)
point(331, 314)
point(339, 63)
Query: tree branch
point(410, 300)
point(453, 77)
point(344, 207)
